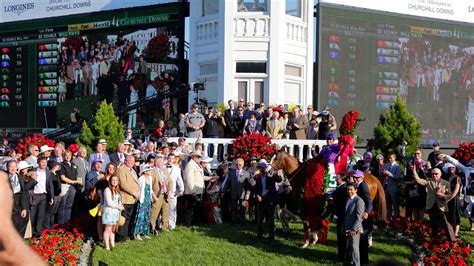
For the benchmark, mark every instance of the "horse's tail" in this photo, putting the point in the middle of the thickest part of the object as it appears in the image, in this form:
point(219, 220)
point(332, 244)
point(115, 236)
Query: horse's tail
point(381, 213)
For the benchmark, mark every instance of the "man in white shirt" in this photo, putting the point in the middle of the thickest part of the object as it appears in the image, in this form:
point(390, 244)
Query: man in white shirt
point(43, 195)
point(150, 92)
point(177, 188)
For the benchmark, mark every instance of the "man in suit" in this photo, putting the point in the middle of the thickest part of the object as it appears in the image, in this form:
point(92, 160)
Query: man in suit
point(354, 210)
point(228, 119)
point(33, 150)
point(297, 125)
point(130, 193)
point(438, 191)
point(21, 199)
point(58, 153)
point(239, 182)
point(367, 223)
point(162, 188)
point(43, 195)
point(391, 176)
point(193, 185)
point(339, 197)
point(100, 154)
point(118, 157)
point(239, 121)
point(82, 165)
point(267, 199)
point(275, 126)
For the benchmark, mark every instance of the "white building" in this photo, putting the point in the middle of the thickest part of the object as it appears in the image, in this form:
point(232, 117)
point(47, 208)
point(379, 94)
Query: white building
point(259, 50)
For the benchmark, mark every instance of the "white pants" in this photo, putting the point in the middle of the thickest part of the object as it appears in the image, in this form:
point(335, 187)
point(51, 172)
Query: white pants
point(173, 202)
point(132, 118)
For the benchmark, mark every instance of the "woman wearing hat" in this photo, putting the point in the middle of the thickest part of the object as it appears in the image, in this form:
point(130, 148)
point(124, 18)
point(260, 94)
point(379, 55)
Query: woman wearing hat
point(142, 220)
point(326, 125)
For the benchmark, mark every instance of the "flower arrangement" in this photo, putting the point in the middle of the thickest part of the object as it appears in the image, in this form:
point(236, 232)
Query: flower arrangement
point(74, 42)
point(73, 148)
point(38, 140)
point(437, 249)
point(250, 145)
point(58, 246)
point(349, 124)
point(465, 152)
point(158, 48)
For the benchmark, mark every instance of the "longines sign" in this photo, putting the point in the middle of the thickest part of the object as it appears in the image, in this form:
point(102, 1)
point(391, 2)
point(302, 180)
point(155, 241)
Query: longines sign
point(455, 10)
point(17, 10)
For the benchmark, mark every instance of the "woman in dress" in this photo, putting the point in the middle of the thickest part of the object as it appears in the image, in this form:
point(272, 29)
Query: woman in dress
point(62, 87)
point(454, 206)
point(250, 126)
point(111, 211)
point(142, 220)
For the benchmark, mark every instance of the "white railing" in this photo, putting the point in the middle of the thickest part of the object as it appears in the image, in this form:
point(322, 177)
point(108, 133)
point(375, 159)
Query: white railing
point(252, 26)
point(295, 147)
point(208, 30)
point(296, 31)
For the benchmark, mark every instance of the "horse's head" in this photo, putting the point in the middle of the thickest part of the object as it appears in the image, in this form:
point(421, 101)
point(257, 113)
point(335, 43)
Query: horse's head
point(284, 161)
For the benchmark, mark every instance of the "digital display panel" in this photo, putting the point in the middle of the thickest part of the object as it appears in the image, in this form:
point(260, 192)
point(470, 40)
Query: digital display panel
point(47, 65)
point(368, 59)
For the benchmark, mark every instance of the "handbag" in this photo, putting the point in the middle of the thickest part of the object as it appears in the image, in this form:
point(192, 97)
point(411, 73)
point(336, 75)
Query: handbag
point(121, 220)
point(97, 210)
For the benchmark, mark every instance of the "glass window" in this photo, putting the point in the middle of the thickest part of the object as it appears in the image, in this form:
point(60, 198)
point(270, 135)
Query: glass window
point(248, 67)
point(252, 5)
point(293, 71)
point(210, 7)
point(208, 69)
point(242, 87)
point(293, 8)
point(258, 92)
point(292, 92)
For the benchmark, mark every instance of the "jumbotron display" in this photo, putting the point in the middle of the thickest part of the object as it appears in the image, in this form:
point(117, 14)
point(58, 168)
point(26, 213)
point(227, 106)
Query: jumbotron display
point(368, 59)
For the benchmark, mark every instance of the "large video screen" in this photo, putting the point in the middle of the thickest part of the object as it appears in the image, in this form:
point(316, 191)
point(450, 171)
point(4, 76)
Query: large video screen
point(368, 59)
point(52, 67)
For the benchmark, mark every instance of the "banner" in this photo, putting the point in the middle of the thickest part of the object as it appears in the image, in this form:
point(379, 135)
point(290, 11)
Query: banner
point(15, 10)
point(455, 10)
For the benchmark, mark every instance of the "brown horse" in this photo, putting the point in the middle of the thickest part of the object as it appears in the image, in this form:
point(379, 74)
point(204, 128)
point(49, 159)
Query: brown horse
point(293, 171)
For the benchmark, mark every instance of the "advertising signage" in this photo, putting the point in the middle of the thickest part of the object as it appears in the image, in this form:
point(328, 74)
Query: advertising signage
point(454, 10)
point(18, 10)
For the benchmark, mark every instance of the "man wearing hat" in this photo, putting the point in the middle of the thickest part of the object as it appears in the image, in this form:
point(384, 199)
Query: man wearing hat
point(432, 156)
point(367, 223)
point(119, 156)
point(195, 121)
point(193, 185)
point(45, 151)
point(267, 199)
point(100, 154)
point(162, 189)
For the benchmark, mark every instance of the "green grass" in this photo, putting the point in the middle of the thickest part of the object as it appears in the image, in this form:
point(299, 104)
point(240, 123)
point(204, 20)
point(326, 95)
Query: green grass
point(84, 106)
point(465, 231)
point(237, 245)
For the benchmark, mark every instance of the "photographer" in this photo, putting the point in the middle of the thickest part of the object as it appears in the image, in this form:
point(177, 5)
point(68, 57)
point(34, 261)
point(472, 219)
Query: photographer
point(214, 125)
point(326, 125)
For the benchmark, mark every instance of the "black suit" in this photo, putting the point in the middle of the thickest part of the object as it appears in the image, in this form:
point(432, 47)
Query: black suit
point(340, 197)
point(38, 210)
point(21, 202)
point(266, 207)
point(229, 123)
point(367, 224)
point(114, 158)
point(239, 123)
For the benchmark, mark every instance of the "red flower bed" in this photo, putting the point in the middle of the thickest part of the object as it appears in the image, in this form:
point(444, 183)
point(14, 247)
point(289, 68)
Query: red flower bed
point(39, 141)
point(465, 152)
point(58, 246)
point(438, 250)
point(252, 145)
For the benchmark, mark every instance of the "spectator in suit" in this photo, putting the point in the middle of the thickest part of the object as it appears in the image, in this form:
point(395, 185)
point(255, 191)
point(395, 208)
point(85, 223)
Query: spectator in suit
point(147, 136)
point(275, 126)
point(438, 193)
point(43, 195)
point(82, 166)
point(130, 194)
point(93, 176)
point(267, 199)
point(239, 182)
point(367, 223)
point(21, 199)
point(193, 185)
point(249, 110)
point(119, 156)
point(52, 210)
point(340, 198)
point(58, 153)
point(229, 119)
point(353, 224)
point(33, 151)
point(391, 177)
point(432, 156)
point(100, 154)
point(297, 125)
point(162, 189)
